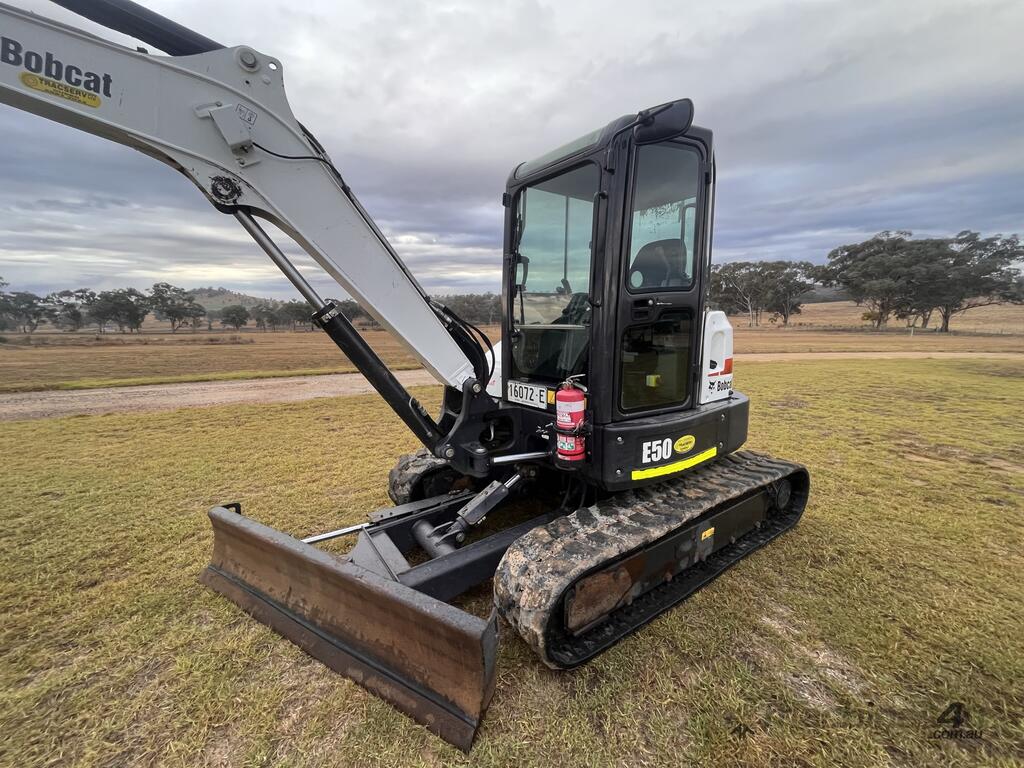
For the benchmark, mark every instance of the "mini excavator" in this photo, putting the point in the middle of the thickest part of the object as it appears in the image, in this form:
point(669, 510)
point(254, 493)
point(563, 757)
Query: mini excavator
point(608, 405)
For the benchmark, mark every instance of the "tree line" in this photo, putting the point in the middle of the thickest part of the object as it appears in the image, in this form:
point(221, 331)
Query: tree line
point(127, 309)
point(891, 275)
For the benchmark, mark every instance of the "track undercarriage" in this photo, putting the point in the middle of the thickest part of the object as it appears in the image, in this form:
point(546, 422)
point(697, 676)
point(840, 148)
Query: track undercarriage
point(576, 585)
point(579, 584)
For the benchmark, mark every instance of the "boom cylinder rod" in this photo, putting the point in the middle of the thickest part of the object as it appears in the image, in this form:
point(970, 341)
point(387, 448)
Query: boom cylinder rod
point(276, 255)
point(349, 341)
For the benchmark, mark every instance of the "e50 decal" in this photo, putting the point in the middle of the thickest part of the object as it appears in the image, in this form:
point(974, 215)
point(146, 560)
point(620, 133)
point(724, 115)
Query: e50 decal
point(653, 451)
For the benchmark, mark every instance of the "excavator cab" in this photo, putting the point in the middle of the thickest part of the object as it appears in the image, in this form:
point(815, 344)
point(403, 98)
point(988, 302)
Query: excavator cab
point(606, 258)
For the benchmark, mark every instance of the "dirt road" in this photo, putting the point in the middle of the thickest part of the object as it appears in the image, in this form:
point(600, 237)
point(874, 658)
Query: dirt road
point(164, 397)
point(23, 406)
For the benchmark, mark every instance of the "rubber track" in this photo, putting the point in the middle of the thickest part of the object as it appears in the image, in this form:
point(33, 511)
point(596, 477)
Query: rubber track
point(538, 568)
point(409, 471)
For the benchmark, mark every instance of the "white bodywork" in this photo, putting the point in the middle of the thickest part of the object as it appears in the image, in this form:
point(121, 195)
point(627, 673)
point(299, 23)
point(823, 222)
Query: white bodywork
point(716, 362)
point(200, 114)
point(494, 383)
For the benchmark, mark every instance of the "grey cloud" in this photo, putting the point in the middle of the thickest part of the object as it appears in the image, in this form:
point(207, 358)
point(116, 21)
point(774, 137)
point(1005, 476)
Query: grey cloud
point(832, 121)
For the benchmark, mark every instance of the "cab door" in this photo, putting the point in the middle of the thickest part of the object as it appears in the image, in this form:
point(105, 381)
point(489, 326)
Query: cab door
point(660, 302)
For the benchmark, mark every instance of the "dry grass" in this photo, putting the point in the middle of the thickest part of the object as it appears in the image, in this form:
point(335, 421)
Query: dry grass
point(785, 340)
point(839, 327)
point(78, 361)
point(838, 645)
point(82, 361)
point(1004, 319)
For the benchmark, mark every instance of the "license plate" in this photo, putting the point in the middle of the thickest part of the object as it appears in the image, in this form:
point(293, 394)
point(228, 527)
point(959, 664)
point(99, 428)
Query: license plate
point(528, 394)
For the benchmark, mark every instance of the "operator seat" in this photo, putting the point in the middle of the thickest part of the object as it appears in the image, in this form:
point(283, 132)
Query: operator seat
point(659, 264)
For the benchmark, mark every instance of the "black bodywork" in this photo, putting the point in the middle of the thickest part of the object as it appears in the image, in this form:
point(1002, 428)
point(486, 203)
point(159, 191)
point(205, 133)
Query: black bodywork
point(617, 434)
point(474, 433)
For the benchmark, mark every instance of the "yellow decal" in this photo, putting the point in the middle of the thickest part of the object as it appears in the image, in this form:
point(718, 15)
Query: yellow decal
point(62, 90)
point(707, 534)
point(551, 397)
point(679, 466)
point(684, 444)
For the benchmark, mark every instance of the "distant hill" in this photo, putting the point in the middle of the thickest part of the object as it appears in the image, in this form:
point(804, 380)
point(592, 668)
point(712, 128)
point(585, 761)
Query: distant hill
point(218, 298)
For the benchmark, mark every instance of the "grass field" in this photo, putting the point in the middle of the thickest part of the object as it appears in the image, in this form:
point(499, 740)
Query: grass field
point(80, 361)
point(840, 644)
point(1003, 319)
point(75, 361)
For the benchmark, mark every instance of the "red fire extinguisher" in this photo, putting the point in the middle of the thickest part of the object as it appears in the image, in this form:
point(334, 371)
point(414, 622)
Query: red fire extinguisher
point(570, 419)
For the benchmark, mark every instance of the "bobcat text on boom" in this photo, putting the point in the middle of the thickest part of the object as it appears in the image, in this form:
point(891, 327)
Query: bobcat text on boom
point(12, 52)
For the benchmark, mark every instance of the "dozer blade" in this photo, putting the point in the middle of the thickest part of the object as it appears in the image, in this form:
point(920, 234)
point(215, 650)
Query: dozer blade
point(427, 658)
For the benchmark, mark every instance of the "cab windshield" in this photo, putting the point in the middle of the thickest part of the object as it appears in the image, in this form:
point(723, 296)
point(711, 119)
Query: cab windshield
point(555, 222)
point(551, 291)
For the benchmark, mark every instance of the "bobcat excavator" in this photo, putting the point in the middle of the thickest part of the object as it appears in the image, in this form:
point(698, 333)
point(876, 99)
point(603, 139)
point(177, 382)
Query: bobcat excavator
point(607, 413)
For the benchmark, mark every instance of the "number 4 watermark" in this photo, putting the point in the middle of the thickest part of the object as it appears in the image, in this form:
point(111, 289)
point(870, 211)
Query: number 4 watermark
point(955, 717)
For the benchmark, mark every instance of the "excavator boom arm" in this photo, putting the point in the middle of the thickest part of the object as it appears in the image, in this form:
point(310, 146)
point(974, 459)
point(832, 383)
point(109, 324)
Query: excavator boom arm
point(221, 117)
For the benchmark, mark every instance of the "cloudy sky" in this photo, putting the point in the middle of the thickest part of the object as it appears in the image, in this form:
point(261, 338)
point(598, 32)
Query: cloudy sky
point(832, 120)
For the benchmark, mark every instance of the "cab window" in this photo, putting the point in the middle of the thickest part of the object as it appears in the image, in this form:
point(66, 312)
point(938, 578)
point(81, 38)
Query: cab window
point(551, 285)
point(661, 243)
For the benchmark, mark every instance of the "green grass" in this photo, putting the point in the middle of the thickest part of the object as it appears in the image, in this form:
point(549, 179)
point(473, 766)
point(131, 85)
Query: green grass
point(840, 644)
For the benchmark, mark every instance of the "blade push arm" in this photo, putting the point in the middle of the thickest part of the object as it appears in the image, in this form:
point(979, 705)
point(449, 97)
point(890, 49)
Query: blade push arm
point(221, 118)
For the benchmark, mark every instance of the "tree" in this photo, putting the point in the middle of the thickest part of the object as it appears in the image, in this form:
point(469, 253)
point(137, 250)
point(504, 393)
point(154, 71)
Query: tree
point(922, 275)
point(873, 273)
point(126, 307)
point(173, 304)
point(893, 274)
point(351, 310)
point(979, 272)
point(722, 297)
point(785, 283)
point(197, 314)
point(265, 316)
point(295, 312)
point(212, 316)
point(67, 309)
point(235, 316)
point(26, 310)
point(476, 308)
point(740, 287)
